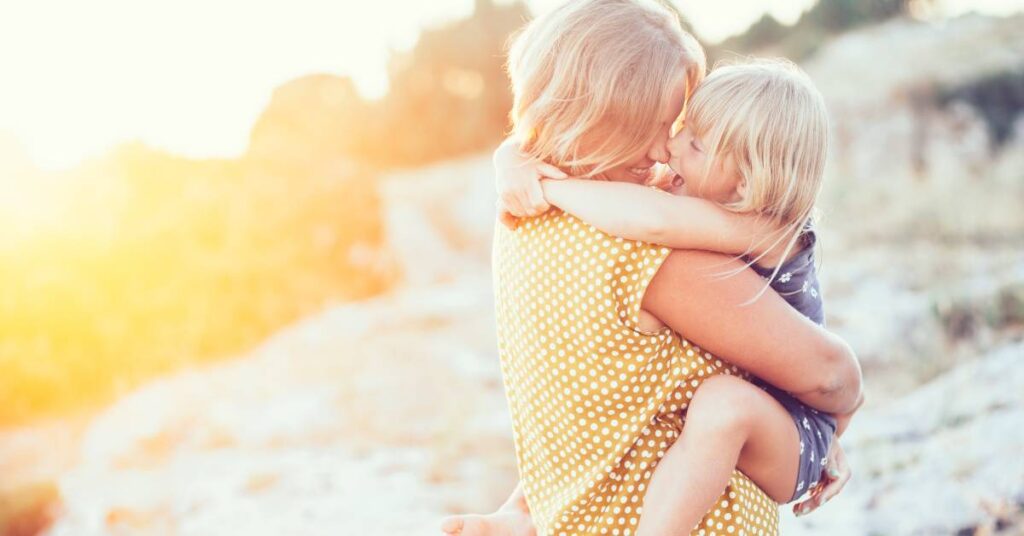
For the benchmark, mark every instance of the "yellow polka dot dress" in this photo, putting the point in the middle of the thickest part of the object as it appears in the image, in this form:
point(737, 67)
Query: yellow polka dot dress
point(594, 401)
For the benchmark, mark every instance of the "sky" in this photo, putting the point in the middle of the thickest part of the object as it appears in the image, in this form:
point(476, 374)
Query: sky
point(192, 76)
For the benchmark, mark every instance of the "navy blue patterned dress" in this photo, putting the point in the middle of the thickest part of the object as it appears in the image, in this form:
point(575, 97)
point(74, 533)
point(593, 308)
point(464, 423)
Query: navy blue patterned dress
point(797, 282)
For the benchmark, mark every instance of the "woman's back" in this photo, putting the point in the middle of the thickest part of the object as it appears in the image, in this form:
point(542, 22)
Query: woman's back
point(593, 399)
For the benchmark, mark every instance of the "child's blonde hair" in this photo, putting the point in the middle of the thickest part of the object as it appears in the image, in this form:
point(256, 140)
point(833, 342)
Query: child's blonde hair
point(771, 121)
point(598, 63)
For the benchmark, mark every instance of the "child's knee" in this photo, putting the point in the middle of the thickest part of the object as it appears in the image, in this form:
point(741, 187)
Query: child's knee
point(723, 402)
point(724, 387)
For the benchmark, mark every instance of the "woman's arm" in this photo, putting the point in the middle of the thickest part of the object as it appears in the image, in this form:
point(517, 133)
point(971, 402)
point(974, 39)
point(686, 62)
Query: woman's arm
point(843, 419)
point(642, 213)
point(768, 337)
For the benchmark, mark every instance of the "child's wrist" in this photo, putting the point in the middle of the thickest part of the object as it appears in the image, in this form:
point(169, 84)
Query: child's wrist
point(503, 156)
point(545, 188)
point(508, 153)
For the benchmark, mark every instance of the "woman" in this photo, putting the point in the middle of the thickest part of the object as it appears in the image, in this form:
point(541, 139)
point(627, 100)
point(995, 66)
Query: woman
point(595, 398)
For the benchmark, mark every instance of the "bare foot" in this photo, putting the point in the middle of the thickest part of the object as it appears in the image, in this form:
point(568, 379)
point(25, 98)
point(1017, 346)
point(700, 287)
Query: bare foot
point(507, 521)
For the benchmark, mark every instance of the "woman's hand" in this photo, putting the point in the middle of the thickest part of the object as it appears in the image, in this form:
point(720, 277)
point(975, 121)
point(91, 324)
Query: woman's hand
point(834, 477)
point(517, 178)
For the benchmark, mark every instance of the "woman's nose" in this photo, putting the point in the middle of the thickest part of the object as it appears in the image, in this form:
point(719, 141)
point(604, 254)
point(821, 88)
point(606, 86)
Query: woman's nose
point(659, 152)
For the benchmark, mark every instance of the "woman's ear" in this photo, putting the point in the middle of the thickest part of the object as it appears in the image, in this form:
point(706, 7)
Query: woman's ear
point(741, 188)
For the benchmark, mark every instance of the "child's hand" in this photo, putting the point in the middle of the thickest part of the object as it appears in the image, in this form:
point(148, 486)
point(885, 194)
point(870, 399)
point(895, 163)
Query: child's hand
point(517, 178)
point(834, 477)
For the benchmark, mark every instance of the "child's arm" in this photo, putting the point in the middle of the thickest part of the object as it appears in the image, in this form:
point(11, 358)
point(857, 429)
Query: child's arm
point(627, 210)
point(643, 213)
point(517, 180)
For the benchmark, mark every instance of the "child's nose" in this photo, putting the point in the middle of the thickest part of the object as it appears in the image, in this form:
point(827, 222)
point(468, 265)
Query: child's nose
point(674, 145)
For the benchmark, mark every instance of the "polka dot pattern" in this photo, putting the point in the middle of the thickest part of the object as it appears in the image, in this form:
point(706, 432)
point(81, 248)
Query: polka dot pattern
point(595, 401)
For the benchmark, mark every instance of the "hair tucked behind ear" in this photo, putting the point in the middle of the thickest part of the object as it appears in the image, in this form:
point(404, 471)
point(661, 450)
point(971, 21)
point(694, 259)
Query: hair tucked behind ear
point(598, 63)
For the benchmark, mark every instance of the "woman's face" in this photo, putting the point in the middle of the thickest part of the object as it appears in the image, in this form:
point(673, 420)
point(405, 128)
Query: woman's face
point(688, 157)
point(638, 168)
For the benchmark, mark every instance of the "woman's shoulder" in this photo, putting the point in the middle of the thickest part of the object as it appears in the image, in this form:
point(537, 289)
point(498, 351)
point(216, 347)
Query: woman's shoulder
point(556, 228)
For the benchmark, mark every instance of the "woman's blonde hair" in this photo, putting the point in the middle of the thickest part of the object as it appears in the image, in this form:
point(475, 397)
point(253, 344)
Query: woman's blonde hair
point(769, 119)
point(598, 63)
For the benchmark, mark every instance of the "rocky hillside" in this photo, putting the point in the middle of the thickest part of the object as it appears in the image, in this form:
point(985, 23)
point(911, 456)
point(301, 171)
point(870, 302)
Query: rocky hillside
point(928, 129)
point(374, 417)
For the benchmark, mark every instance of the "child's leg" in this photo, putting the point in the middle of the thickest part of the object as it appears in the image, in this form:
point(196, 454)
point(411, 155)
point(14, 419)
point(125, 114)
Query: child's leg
point(730, 423)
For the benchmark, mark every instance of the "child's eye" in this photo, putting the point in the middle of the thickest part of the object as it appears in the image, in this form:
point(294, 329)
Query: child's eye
point(693, 143)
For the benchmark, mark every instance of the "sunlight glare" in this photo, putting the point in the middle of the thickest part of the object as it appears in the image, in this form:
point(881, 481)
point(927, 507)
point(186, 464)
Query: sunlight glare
point(191, 77)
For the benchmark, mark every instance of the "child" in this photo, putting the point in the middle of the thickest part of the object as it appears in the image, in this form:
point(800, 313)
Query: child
point(748, 168)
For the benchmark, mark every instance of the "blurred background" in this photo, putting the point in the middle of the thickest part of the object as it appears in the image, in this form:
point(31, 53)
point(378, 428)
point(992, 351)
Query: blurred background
point(244, 260)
